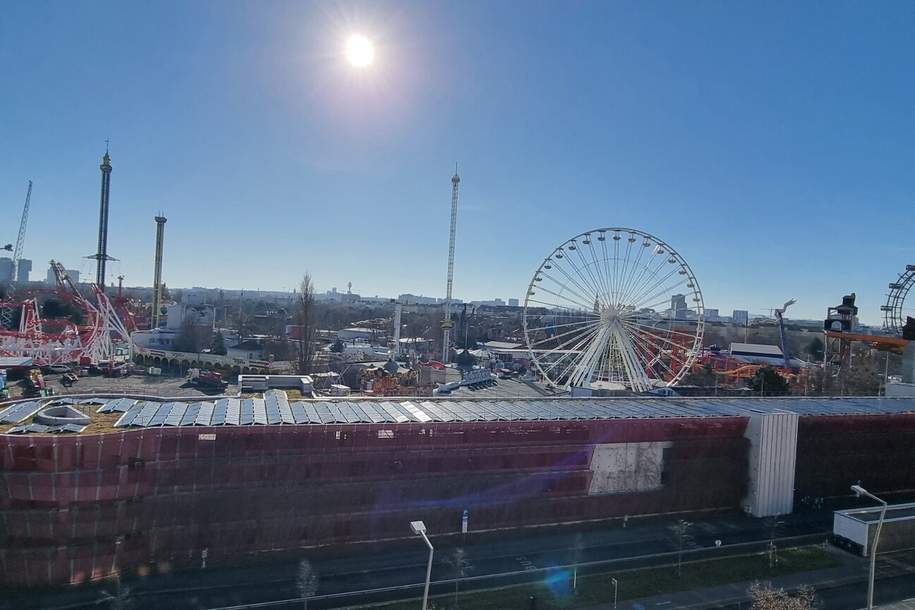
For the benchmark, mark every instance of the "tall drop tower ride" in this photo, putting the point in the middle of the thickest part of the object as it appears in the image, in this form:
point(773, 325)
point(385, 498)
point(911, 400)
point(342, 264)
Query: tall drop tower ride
point(157, 275)
point(101, 256)
point(447, 324)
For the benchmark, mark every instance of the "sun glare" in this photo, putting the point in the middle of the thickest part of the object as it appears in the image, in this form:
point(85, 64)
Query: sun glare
point(359, 51)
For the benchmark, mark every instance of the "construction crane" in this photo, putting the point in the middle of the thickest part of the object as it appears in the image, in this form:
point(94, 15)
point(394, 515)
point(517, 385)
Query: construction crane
point(17, 253)
point(779, 315)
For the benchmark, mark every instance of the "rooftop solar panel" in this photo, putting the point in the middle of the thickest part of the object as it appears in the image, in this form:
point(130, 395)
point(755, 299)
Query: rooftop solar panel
point(461, 412)
point(349, 414)
point(19, 412)
point(297, 410)
point(434, 412)
point(146, 413)
point(328, 414)
point(74, 428)
point(394, 410)
point(272, 406)
point(190, 414)
point(205, 414)
point(221, 412)
point(417, 413)
point(468, 408)
point(177, 412)
point(282, 403)
point(359, 409)
point(246, 412)
point(259, 411)
point(129, 416)
point(162, 414)
point(311, 410)
point(375, 414)
point(275, 408)
point(233, 412)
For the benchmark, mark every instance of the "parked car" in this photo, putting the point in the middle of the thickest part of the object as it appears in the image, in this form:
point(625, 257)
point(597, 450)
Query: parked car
point(58, 368)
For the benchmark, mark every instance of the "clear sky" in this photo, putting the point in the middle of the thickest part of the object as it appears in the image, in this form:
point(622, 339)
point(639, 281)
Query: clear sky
point(770, 143)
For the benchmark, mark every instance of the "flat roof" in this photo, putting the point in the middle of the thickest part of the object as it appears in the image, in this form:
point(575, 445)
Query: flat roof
point(870, 514)
point(275, 409)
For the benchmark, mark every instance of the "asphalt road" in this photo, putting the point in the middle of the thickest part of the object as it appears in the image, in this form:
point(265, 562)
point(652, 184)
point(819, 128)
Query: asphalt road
point(364, 567)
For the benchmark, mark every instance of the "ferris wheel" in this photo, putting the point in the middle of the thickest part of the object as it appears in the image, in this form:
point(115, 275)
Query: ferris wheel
point(895, 311)
point(613, 308)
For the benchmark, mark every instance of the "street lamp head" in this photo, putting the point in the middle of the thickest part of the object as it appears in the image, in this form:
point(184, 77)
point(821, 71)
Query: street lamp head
point(859, 491)
point(418, 527)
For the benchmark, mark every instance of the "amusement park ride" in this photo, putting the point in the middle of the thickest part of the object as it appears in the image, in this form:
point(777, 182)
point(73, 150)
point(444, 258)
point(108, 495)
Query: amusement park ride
point(62, 341)
point(589, 315)
point(590, 318)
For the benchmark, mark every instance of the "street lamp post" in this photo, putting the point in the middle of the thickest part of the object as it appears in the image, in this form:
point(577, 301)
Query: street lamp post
point(615, 584)
point(860, 491)
point(419, 528)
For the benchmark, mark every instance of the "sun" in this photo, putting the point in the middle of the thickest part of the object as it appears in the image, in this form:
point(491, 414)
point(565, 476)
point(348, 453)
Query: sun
point(359, 51)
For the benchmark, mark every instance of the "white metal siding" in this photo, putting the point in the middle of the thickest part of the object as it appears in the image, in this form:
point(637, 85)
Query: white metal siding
point(851, 529)
point(773, 452)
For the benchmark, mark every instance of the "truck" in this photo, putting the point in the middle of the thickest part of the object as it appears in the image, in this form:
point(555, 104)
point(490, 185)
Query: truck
point(205, 378)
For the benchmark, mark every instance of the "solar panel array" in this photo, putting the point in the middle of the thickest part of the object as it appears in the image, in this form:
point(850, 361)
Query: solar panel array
point(19, 412)
point(33, 427)
point(274, 409)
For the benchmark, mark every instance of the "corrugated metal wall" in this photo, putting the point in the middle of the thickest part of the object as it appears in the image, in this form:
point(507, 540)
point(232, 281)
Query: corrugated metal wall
point(162, 495)
point(835, 452)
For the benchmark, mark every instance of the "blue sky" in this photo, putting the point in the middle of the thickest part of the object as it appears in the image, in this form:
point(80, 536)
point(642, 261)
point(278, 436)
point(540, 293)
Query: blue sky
point(769, 143)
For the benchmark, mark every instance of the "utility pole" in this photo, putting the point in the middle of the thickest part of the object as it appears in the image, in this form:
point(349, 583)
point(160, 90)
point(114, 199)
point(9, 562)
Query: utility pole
point(447, 323)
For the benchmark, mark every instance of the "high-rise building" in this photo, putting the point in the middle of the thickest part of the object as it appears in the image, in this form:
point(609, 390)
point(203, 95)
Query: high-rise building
point(678, 308)
point(711, 315)
point(513, 302)
point(23, 269)
point(6, 269)
point(51, 278)
point(741, 317)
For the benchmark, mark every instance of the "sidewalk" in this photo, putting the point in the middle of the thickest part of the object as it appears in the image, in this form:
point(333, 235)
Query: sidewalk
point(852, 570)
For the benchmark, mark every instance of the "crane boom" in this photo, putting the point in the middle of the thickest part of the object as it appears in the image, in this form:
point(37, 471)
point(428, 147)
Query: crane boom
point(17, 253)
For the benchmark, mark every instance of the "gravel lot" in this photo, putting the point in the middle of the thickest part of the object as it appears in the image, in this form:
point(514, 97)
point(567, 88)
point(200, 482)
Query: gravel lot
point(134, 384)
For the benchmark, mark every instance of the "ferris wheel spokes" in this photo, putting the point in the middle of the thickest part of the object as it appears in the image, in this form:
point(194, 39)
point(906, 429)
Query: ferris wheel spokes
point(601, 325)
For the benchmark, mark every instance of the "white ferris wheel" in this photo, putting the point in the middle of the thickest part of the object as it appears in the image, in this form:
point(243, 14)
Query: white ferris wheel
point(613, 308)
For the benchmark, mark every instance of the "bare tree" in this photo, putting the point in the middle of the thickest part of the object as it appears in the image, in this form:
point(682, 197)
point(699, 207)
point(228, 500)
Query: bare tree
point(681, 531)
point(305, 320)
point(765, 597)
point(306, 581)
point(191, 338)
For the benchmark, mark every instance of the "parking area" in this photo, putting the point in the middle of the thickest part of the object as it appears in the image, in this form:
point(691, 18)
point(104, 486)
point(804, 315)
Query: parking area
point(133, 384)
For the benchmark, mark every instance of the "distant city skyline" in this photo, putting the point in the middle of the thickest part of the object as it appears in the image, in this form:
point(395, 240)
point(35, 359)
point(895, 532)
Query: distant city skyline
point(768, 146)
